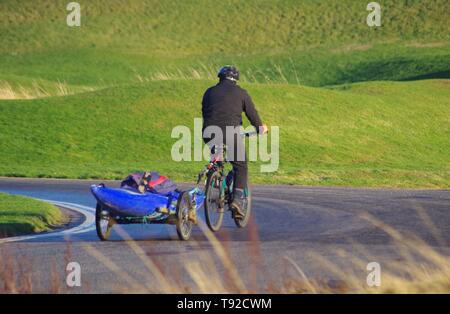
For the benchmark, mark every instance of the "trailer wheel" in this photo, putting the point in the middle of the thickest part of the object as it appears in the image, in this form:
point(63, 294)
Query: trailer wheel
point(183, 224)
point(103, 223)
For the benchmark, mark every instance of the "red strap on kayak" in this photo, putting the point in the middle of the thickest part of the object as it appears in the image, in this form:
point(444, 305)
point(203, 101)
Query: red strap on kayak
point(160, 180)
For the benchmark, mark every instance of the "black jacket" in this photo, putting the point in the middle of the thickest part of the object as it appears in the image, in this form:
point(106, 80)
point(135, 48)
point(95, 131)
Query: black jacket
point(224, 103)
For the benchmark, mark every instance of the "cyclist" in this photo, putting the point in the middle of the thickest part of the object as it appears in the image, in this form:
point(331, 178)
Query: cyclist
point(222, 106)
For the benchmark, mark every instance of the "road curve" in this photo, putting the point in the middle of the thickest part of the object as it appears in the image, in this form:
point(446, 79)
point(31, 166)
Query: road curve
point(292, 224)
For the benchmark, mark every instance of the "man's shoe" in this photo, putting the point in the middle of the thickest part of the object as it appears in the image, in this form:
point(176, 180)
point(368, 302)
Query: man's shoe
point(239, 203)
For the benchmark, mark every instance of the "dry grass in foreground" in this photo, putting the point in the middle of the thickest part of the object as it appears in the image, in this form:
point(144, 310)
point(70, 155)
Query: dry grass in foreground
point(421, 269)
point(38, 90)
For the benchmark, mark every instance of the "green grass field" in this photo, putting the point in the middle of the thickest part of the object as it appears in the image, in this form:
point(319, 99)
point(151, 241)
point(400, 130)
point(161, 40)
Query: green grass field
point(356, 106)
point(374, 134)
point(21, 215)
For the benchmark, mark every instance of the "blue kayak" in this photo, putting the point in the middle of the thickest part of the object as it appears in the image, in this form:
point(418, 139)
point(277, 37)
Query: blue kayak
point(128, 202)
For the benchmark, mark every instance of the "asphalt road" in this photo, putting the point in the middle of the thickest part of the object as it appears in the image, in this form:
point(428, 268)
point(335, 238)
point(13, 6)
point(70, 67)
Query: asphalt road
point(304, 225)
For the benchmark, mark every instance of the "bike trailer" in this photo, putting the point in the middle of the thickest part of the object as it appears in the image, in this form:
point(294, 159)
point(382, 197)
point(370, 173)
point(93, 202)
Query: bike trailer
point(127, 202)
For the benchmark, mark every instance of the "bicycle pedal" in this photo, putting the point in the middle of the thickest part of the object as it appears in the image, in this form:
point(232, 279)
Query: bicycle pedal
point(236, 212)
point(235, 215)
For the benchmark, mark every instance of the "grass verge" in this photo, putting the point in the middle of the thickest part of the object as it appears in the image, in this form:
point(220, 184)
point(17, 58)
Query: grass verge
point(22, 215)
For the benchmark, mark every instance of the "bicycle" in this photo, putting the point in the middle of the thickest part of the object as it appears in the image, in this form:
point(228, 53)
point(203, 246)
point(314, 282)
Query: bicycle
point(219, 191)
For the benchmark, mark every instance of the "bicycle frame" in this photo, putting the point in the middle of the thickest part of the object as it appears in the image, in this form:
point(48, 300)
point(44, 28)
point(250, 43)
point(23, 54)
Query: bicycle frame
point(217, 163)
point(216, 180)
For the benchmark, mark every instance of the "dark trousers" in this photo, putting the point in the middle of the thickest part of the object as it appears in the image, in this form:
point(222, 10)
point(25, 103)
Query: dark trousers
point(236, 155)
point(240, 169)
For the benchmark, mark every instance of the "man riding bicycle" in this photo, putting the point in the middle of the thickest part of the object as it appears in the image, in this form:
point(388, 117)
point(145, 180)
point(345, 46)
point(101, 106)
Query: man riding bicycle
point(222, 107)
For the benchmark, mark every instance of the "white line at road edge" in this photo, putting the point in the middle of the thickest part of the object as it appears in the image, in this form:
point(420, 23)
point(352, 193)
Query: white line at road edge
point(87, 225)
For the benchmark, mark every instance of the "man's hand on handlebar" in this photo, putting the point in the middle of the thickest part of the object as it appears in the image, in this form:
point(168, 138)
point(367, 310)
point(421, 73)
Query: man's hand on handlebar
point(263, 129)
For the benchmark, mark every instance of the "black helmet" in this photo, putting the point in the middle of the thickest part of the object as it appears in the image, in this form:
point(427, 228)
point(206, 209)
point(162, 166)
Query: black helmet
point(229, 72)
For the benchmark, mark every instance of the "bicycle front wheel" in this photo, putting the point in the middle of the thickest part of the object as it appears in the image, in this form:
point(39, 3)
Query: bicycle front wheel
point(214, 202)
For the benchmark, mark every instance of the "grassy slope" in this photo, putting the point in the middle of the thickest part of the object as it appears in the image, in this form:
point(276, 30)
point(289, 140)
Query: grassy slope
point(379, 133)
point(309, 42)
point(198, 27)
point(396, 135)
point(20, 215)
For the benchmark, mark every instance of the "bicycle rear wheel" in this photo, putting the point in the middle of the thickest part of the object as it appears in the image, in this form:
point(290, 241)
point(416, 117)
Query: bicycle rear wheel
point(214, 204)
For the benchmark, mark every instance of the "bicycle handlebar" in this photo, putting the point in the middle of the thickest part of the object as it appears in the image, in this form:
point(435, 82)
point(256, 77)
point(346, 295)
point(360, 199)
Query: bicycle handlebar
point(248, 134)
